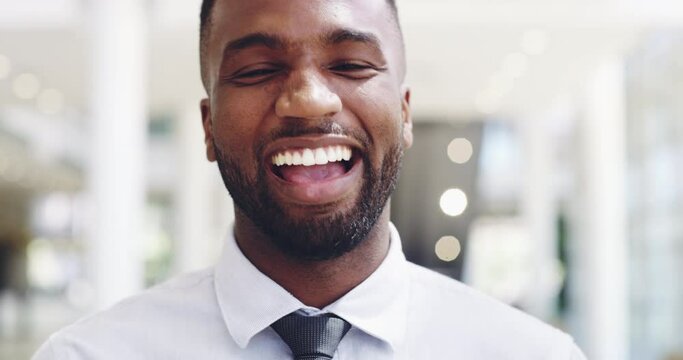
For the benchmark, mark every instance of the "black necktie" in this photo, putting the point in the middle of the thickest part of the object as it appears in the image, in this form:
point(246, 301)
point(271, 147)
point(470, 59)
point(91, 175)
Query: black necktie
point(311, 337)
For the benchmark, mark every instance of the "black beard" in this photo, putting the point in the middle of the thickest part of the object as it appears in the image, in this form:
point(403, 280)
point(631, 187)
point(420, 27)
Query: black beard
point(322, 237)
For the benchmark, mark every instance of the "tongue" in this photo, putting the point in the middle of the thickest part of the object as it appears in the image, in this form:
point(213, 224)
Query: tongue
point(310, 174)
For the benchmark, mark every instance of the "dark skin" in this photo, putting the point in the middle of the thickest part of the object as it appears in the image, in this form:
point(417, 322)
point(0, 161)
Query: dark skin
point(314, 283)
point(345, 64)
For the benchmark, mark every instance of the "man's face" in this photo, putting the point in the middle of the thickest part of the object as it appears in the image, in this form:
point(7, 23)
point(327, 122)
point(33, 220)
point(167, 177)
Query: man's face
point(307, 116)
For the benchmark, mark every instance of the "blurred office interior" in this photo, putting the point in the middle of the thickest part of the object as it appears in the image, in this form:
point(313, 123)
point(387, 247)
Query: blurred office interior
point(546, 168)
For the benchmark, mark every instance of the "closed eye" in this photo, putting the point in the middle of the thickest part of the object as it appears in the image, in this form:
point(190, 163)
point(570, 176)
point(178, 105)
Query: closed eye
point(256, 73)
point(355, 70)
point(253, 76)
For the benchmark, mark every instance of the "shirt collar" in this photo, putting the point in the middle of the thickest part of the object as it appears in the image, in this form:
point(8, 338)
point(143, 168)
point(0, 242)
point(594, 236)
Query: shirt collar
point(250, 301)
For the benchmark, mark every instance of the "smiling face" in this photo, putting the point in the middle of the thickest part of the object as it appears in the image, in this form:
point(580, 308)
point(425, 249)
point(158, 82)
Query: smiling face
point(307, 117)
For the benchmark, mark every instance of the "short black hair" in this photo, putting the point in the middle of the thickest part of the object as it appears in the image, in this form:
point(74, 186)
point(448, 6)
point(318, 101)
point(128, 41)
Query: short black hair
point(207, 6)
point(205, 20)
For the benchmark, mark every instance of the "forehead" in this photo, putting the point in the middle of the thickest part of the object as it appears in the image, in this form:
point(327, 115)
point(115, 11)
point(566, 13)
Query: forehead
point(299, 20)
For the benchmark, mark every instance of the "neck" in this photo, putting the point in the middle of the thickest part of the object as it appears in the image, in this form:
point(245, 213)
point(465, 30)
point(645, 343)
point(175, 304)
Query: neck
point(314, 283)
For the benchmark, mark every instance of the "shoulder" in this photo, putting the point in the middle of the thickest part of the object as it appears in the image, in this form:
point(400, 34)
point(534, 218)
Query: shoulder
point(181, 305)
point(175, 294)
point(452, 312)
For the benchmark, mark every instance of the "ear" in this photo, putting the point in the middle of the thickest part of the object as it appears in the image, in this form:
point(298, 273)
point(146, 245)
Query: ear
point(407, 117)
point(205, 106)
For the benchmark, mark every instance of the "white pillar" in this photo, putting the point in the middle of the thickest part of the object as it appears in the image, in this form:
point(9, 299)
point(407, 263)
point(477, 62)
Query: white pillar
point(117, 149)
point(539, 208)
point(197, 241)
point(600, 258)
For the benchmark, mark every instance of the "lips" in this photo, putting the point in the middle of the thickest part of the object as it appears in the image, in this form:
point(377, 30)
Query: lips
point(314, 170)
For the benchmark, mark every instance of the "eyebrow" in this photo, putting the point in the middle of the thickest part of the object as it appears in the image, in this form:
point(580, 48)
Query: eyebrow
point(350, 35)
point(252, 40)
point(275, 42)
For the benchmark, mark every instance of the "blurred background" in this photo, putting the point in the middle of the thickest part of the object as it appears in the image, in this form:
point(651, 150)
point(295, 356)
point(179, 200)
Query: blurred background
point(546, 169)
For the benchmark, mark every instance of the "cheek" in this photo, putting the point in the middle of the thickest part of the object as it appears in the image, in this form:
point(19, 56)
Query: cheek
point(237, 120)
point(379, 109)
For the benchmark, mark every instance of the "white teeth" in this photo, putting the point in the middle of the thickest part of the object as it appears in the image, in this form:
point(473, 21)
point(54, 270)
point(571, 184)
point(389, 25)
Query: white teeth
point(347, 154)
point(296, 158)
point(331, 154)
point(320, 156)
point(309, 157)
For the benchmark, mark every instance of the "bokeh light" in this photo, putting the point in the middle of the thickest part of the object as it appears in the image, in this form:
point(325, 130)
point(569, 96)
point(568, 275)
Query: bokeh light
point(453, 202)
point(447, 248)
point(26, 86)
point(460, 150)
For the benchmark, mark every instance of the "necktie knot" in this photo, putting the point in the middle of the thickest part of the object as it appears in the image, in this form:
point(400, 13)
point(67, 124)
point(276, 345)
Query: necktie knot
point(311, 337)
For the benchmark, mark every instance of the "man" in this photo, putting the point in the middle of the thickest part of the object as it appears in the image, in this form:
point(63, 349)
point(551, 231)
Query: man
point(307, 116)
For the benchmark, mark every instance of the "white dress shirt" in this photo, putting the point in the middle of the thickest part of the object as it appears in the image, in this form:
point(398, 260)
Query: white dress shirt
point(402, 311)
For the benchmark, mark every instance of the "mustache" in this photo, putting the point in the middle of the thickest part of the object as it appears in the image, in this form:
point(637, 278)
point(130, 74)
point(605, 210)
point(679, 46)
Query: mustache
point(322, 127)
point(325, 127)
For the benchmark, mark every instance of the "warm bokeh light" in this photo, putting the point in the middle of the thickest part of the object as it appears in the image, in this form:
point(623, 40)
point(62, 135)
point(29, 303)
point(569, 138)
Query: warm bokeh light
point(447, 248)
point(453, 202)
point(26, 86)
point(44, 268)
point(460, 150)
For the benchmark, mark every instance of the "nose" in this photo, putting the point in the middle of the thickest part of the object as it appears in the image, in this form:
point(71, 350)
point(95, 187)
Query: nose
point(306, 96)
